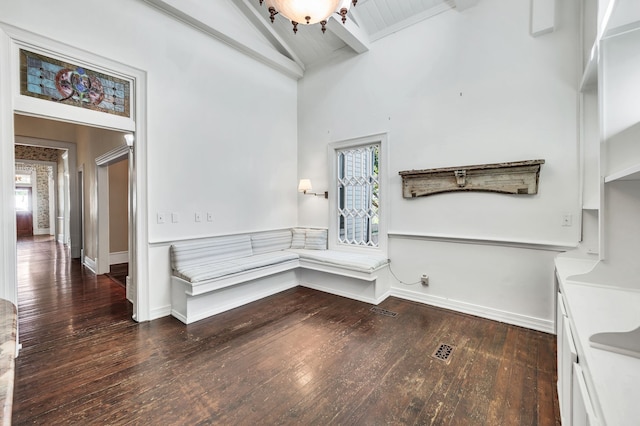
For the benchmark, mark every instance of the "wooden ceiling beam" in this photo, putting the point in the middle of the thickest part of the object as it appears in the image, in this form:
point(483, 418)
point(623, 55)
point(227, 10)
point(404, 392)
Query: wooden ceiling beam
point(222, 29)
point(349, 32)
point(266, 29)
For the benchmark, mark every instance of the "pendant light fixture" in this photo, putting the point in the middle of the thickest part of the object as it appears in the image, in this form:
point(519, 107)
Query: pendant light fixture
point(308, 11)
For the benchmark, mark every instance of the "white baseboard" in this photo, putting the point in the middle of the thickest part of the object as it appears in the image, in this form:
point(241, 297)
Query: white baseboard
point(128, 289)
point(41, 231)
point(163, 311)
point(60, 238)
point(539, 324)
point(347, 294)
point(118, 257)
point(90, 263)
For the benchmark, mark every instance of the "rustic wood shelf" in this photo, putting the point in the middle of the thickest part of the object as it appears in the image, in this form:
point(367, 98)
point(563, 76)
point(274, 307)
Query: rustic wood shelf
point(518, 177)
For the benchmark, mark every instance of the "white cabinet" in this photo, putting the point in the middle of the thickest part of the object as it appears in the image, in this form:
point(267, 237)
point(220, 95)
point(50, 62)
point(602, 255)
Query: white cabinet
point(582, 408)
point(571, 404)
point(595, 386)
point(571, 398)
point(567, 357)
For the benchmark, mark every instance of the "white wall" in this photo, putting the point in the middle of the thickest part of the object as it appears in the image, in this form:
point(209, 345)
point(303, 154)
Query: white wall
point(461, 88)
point(118, 207)
point(221, 133)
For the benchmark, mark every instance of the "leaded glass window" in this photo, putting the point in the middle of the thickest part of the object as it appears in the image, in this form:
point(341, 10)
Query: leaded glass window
point(358, 195)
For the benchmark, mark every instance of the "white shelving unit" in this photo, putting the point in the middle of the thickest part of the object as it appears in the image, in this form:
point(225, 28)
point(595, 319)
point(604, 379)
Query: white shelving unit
point(630, 173)
point(601, 295)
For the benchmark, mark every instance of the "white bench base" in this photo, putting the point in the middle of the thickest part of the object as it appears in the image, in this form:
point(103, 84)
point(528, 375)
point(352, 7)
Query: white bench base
point(191, 308)
point(190, 303)
point(369, 288)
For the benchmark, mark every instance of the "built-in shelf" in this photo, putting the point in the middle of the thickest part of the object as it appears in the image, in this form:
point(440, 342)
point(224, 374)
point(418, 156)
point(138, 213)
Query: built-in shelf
point(630, 173)
point(625, 343)
point(600, 303)
point(590, 76)
point(619, 16)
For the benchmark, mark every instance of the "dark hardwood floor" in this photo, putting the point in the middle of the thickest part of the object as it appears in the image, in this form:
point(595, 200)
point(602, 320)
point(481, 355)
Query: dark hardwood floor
point(299, 357)
point(119, 272)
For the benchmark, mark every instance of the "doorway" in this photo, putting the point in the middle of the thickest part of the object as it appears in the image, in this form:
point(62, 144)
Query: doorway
point(24, 211)
point(99, 186)
point(13, 102)
point(113, 175)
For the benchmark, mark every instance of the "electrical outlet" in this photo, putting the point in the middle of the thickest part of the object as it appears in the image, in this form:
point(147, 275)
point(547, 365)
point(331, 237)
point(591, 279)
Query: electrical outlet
point(567, 220)
point(198, 217)
point(161, 218)
point(175, 217)
point(209, 217)
point(424, 279)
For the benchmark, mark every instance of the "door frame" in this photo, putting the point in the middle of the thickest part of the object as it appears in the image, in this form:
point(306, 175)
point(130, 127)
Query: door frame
point(102, 189)
point(29, 189)
point(81, 197)
point(12, 102)
point(52, 187)
point(70, 196)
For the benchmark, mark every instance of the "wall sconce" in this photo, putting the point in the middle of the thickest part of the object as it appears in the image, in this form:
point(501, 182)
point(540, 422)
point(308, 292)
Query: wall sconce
point(128, 138)
point(305, 187)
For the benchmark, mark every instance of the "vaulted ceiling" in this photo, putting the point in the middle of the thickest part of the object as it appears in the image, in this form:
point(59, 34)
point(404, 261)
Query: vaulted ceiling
point(275, 43)
point(368, 21)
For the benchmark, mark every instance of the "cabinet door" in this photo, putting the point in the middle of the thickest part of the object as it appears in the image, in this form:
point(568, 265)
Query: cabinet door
point(565, 373)
point(559, 333)
point(582, 409)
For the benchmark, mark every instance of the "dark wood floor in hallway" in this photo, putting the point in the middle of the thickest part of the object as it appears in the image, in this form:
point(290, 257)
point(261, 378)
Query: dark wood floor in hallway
point(299, 357)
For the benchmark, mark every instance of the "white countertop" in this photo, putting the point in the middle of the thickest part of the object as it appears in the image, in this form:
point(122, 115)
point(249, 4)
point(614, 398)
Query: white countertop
point(613, 380)
point(569, 266)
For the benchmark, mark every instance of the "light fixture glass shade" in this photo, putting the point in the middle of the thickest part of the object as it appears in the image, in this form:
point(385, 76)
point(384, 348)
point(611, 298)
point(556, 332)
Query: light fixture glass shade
point(304, 185)
point(128, 138)
point(306, 11)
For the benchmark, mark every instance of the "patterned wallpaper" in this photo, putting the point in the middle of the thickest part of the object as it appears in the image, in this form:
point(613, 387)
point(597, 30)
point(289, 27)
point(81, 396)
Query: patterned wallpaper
point(24, 152)
point(43, 174)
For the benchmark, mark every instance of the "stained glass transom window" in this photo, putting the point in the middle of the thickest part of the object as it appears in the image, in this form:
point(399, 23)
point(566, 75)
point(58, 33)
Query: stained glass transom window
point(47, 78)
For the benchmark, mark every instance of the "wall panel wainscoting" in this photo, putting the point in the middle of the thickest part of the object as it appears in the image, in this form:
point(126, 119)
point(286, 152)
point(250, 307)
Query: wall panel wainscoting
point(297, 357)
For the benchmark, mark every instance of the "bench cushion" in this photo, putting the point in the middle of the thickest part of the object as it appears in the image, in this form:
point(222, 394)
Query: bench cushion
point(298, 237)
point(355, 261)
point(198, 273)
point(205, 252)
point(316, 239)
point(271, 241)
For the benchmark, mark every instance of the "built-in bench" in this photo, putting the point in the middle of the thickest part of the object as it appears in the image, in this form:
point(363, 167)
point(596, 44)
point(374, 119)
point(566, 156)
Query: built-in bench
point(216, 274)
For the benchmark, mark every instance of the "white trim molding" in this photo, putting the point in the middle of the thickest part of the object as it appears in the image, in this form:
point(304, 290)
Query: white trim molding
point(558, 246)
point(102, 193)
point(513, 318)
point(118, 257)
point(89, 263)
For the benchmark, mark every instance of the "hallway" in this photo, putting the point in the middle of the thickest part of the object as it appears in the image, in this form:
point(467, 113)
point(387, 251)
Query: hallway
point(68, 320)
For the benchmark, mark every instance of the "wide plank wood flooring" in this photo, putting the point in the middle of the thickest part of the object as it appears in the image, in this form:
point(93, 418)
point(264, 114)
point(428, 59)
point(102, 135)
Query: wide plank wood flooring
point(300, 357)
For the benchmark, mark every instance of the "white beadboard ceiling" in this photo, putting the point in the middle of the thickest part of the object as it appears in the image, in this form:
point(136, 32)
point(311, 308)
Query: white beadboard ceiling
point(368, 21)
point(383, 17)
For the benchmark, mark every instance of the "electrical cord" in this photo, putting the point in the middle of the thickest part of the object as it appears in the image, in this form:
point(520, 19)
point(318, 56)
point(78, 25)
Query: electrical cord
point(399, 280)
